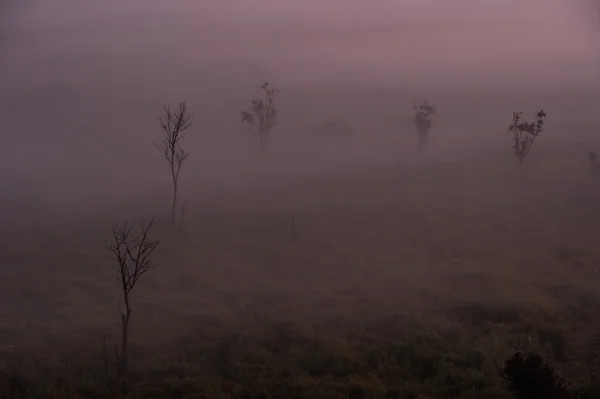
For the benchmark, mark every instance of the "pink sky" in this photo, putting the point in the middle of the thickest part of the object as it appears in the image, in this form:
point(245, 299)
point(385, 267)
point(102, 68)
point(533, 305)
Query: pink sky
point(386, 40)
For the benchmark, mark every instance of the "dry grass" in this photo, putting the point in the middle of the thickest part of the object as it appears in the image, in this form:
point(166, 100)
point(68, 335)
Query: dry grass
point(416, 279)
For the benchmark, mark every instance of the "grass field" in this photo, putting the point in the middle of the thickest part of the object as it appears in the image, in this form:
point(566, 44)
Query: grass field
point(409, 280)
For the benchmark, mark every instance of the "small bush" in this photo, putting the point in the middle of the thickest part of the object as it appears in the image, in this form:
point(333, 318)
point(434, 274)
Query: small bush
point(531, 377)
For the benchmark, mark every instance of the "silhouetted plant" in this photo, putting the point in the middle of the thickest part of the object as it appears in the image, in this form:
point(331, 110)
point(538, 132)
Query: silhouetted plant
point(424, 121)
point(173, 125)
point(525, 133)
point(133, 253)
point(531, 377)
point(263, 114)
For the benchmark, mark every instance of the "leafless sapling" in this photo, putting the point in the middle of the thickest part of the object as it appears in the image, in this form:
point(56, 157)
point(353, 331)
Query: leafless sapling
point(424, 121)
point(525, 133)
point(173, 127)
point(263, 114)
point(133, 253)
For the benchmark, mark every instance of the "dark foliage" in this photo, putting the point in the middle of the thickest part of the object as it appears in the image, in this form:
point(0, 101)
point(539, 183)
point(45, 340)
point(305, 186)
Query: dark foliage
point(525, 133)
point(531, 377)
point(424, 120)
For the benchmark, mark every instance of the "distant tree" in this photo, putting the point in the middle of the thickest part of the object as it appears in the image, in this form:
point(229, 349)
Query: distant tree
point(525, 133)
point(263, 114)
point(173, 127)
point(133, 253)
point(424, 121)
point(531, 377)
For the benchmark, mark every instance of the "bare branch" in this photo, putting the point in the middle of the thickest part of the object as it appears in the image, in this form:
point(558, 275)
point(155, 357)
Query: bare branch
point(174, 126)
point(133, 253)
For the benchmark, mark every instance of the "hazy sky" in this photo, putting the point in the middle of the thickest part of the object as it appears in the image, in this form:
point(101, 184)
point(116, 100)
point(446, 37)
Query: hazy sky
point(394, 41)
point(96, 72)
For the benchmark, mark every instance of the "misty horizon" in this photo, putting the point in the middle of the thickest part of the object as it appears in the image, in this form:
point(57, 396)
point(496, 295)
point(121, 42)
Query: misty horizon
point(427, 42)
point(80, 76)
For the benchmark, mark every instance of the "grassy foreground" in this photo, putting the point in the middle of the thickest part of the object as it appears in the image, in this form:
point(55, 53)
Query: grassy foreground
point(400, 283)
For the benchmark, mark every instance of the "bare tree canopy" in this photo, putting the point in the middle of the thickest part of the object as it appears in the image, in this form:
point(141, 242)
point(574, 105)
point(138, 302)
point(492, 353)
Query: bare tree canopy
point(174, 125)
point(133, 252)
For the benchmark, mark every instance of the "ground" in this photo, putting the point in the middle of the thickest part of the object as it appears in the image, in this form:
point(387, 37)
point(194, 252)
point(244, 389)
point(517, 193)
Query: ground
point(404, 279)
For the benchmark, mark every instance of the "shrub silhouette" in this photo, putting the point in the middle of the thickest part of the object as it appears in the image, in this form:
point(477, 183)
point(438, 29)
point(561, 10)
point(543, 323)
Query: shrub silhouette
point(524, 134)
point(531, 377)
point(424, 121)
point(263, 114)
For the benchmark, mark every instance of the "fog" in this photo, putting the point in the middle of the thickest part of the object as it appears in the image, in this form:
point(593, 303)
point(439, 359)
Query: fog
point(341, 257)
point(417, 41)
point(83, 82)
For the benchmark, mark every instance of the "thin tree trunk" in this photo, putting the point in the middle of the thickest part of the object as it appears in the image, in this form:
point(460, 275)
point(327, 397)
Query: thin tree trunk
point(125, 342)
point(264, 137)
point(422, 142)
point(181, 216)
point(174, 178)
point(521, 167)
point(266, 140)
point(174, 203)
point(105, 353)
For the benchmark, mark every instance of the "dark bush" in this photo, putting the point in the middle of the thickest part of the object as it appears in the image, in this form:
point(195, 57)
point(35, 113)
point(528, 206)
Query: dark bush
point(531, 377)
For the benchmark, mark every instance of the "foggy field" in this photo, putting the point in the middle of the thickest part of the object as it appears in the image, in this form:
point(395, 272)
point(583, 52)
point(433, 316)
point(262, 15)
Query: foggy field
point(458, 256)
point(368, 224)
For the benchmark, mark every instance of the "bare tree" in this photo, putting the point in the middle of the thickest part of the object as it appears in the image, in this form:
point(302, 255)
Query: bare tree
point(524, 134)
point(263, 114)
point(173, 125)
point(133, 253)
point(424, 121)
